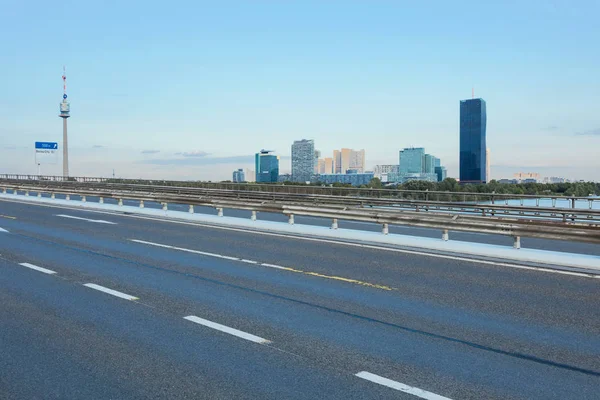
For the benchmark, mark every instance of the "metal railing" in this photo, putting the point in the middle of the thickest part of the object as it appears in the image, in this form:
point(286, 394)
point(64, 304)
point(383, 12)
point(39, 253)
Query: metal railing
point(388, 194)
point(565, 228)
point(482, 208)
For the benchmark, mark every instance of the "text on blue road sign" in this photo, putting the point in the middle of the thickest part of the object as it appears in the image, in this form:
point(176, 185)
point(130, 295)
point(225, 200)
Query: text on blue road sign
point(46, 145)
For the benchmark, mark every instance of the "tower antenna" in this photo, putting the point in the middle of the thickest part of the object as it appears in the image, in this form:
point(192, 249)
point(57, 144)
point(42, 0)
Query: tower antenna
point(472, 92)
point(65, 109)
point(64, 78)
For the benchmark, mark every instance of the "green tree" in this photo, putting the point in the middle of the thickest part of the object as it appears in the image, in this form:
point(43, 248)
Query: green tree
point(375, 183)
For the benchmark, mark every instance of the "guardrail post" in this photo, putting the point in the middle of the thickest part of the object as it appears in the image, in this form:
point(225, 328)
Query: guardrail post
point(141, 203)
point(191, 210)
point(27, 193)
point(554, 202)
point(39, 194)
point(291, 219)
point(68, 197)
point(445, 235)
point(4, 191)
point(15, 192)
point(591, 202)
point(386, 229)
point(219, 212)
point(121, 202)
point(101, 200)
point(517, 242)
point(83, 199)
point(53, 196)
point(165, 207)
point(334, 224)
point(253, 216)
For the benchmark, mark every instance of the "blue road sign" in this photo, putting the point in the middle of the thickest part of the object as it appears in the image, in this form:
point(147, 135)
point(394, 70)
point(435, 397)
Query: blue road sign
point(46, 145)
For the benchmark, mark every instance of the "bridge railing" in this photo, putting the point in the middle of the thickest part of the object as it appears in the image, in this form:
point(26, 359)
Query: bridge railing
point(278, 189)
point(565, 228)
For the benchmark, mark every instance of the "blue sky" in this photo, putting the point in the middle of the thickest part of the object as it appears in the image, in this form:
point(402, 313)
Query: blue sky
point(192, 89)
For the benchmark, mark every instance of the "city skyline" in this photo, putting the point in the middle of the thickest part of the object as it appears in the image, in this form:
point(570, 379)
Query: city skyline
point(362, 75)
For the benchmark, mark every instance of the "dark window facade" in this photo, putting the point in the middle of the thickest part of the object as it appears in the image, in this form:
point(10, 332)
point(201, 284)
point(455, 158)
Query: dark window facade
point(267, 168)
point(472, 140)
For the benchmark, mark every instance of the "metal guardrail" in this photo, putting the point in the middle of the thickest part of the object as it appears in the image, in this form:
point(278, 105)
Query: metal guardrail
point(463, 197)
point(515, 227)
point(482, 208)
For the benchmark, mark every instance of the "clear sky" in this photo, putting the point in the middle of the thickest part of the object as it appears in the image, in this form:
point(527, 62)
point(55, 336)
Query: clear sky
point(192, 89)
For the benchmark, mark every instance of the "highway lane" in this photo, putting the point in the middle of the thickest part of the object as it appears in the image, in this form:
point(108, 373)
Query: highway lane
point(534, 243)
point(459, 329)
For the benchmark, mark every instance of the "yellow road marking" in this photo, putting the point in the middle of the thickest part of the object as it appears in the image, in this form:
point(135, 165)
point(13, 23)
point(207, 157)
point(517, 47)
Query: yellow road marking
point(339, 278)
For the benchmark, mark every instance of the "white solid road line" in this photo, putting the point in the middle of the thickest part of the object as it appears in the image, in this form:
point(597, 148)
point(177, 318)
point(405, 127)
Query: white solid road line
point(202, 253)
point(3, 230)
point(320, 240)
point(110, 291)
point(97, 221)
point(40, 269)
point(226, 329)
point(400, 386)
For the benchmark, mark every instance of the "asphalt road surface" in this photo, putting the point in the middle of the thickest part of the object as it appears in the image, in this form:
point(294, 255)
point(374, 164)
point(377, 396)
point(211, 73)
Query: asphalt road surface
point(533, 243)
point(104, 306)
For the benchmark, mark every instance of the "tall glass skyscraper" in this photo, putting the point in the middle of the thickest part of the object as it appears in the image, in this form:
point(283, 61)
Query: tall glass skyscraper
point(303, 160)
point(473, 120)
point(267, 167)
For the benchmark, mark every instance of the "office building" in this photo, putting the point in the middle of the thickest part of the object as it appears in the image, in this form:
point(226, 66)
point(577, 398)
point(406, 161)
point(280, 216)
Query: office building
point(412, 160)
point(488, 173)
point(429, 164)
point(352, 179)
point(554, 179)
point(441, 173)
point(473, 121)
point(415, 164)
point(385, 172)
point(267, 167)
point(239, 176)
point(530, 177)
point(303, 160)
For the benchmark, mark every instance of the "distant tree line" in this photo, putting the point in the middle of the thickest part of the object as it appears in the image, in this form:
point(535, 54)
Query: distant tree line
point(578, 189)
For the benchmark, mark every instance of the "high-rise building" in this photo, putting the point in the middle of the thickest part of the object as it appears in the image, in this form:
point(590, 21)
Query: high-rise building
point(441, 173)
point(321, 166)
point(346, 159)
point(250, 175)
point(473, 121)
point(488, 173)
point(303, 160)
point(429, 164)
point(411, 160)
point(317, 157)
point(239, 176)
point(357, 160)
point(329, 166)
point(267, 167)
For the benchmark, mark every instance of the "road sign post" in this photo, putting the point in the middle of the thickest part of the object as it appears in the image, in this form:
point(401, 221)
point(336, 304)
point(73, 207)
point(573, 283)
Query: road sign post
point(45, 153)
